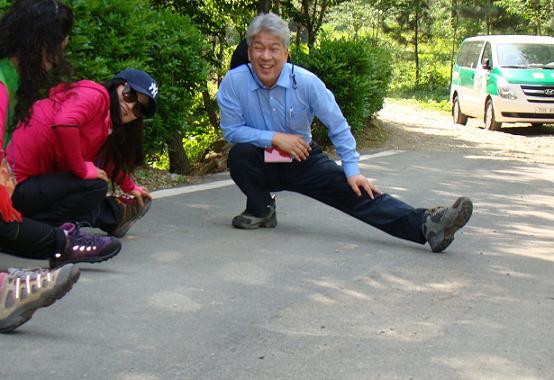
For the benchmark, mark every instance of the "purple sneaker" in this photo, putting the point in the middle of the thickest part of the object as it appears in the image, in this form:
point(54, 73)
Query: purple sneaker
point(84, 247)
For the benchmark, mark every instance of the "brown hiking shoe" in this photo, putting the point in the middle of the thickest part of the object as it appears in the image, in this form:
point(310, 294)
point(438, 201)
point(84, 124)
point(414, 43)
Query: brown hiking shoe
point(248, 221)
point(442, 222)
point(131, 211)
point(23, 291)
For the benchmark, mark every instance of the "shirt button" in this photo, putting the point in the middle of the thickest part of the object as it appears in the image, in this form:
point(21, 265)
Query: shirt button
point(274, 110)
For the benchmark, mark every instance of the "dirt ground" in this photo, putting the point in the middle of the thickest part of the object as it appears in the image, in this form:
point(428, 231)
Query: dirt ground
point(408, 127)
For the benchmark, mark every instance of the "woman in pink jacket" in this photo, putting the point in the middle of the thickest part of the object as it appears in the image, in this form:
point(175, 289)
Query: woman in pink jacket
point(80, 138)
point(33, 35)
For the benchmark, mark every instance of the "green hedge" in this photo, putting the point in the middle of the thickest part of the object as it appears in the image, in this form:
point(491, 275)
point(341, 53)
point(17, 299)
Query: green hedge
point(110, 35)
point(356, 72)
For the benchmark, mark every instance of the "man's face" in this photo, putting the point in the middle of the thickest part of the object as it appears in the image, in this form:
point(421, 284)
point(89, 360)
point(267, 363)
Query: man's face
point(267, 55)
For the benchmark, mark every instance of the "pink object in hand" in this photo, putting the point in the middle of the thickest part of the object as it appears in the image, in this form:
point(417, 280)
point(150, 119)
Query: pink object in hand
point(276, 155)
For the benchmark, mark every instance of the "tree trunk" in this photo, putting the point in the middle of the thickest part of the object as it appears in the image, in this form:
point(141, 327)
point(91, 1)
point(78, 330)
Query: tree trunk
point(416, 45)
point(537, 18)
point(210, 109)
point(298, 33)
point(178, 161)
point(489, 16)
point(311, 38)
point(454, 26)
point(264, 6)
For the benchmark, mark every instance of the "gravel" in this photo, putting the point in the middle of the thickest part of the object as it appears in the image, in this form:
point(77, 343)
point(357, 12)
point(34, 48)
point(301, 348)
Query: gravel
point(409, 127)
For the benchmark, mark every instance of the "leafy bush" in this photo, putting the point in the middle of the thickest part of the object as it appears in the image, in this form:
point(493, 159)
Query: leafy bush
point(356, 72)
point(110, 35)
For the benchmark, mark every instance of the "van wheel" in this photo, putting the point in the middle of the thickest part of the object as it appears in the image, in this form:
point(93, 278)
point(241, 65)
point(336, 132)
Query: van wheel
point(490, 121)
point(457, 115)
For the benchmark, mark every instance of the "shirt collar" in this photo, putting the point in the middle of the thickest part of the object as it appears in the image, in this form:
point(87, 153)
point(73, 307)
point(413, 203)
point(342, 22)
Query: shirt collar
point(284, 79)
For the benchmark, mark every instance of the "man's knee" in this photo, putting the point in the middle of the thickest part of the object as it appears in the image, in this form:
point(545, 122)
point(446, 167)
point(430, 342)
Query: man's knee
point(241, 154)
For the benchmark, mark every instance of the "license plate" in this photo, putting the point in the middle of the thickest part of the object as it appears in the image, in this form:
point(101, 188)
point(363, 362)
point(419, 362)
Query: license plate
point(544, 109)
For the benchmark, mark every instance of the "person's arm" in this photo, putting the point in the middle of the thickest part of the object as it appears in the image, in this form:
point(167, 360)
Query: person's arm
point(7, 212)
point(123, 180)
point(327, 110)
point(76, 110)
point(126, 183)
point(69, 144)
point(233, 124)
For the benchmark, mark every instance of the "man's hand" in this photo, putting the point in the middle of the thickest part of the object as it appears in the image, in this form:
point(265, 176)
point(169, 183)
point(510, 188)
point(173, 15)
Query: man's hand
point(359, 183)
point(8, 213)
point(292, 144)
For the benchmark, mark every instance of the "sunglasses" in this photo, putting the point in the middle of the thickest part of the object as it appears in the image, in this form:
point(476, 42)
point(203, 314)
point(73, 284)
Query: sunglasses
point(131, 96)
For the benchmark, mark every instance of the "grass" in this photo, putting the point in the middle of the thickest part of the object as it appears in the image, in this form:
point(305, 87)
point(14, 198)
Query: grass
point(437, 99)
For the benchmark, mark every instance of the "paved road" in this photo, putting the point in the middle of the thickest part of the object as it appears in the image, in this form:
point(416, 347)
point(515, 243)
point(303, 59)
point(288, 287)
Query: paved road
point(319, 297)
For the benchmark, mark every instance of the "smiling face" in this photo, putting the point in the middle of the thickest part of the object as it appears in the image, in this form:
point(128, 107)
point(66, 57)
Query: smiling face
point(131, 104)
point(268, 55)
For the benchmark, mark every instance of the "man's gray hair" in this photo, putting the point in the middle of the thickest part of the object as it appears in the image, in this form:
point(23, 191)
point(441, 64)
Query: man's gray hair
point(270, 23)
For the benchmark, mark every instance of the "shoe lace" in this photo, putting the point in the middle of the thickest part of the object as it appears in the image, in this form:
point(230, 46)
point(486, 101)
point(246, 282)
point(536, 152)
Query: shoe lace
point(83, 237)
point(434, 211)
point(27, 277)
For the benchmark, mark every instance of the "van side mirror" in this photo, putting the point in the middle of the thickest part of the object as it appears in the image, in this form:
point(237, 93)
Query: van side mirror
point(486, 64)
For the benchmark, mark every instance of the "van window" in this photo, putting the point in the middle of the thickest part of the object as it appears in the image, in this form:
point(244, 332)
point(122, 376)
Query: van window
point(469, 54)
point(524, 55)
point(487, 54)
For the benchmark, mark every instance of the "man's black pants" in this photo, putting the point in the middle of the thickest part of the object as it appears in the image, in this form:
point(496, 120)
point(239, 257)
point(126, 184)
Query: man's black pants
point(62, 197)
point(322, 179)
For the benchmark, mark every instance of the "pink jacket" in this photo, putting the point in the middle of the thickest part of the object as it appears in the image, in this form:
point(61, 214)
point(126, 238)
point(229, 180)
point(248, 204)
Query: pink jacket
point(64, 134)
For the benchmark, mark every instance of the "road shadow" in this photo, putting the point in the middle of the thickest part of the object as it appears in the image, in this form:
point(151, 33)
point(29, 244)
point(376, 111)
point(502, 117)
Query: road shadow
point(528, 131)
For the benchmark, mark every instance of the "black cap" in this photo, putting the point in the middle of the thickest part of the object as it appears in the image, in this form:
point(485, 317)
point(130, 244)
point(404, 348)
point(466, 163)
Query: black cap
point(142, 82)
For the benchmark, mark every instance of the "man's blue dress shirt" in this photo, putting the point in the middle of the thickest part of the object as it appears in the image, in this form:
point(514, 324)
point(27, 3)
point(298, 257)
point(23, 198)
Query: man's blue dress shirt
point(252, 113)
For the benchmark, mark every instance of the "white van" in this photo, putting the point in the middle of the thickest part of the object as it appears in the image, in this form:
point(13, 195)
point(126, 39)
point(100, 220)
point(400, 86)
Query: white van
point(504, 79)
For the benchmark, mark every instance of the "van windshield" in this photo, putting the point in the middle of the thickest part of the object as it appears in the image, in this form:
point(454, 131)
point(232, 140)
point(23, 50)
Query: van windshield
point(526, 55)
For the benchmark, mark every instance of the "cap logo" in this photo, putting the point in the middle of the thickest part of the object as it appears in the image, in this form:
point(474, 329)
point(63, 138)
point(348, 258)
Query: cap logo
point(153, 89)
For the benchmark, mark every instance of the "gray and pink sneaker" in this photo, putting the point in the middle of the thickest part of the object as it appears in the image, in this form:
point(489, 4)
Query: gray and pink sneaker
point(23, 291)
point(84, 247)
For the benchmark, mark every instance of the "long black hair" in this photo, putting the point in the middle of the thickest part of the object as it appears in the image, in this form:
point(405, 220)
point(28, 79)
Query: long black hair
point(32, 31)
point(124, 148)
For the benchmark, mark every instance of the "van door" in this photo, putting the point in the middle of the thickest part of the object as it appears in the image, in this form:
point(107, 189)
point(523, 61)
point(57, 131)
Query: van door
point(468, 61)
point(482, 74)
